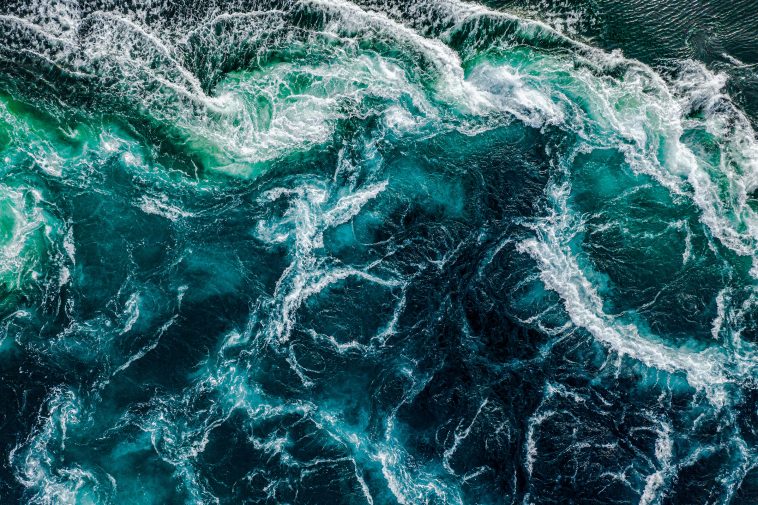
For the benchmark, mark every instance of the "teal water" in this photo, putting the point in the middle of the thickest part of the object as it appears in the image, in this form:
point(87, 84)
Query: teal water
point(377, 252)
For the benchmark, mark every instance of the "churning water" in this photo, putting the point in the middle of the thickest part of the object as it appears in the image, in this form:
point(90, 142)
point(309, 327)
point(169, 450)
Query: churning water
point(396, 251)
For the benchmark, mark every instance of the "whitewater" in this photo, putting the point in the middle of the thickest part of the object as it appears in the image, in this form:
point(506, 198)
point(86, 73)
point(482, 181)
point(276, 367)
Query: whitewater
point(412, 252)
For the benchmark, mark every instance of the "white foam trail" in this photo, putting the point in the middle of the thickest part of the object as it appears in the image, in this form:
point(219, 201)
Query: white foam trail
point(663, 453)
point(458, 436)
point(561, 273)
point(307, 275)
point(159, 206)
point(28, 231)
point(531, 444)
point(40, 465)
point(720, 314)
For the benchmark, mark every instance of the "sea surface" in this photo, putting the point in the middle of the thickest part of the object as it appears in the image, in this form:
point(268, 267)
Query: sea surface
point(378, 252)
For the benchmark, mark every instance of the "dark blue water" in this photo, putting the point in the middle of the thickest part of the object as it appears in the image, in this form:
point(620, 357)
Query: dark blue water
point(415, 252)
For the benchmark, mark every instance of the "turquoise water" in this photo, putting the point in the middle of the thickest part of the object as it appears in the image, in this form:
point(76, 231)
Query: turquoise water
point(374, 252)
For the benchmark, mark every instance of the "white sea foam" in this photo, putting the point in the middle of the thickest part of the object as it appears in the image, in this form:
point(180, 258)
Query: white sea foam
point(531, 442)
point(510, 92)
point(720, 314)
point(159, 206)
point(238, 131)
point(458, 437)
point(308, 275)
point(560, 271)
point(653, 122)
point(663, 453)
point(28, 227)
point(39, 462)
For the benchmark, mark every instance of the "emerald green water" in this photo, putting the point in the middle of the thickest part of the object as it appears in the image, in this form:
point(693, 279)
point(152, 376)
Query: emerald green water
point(371, 252)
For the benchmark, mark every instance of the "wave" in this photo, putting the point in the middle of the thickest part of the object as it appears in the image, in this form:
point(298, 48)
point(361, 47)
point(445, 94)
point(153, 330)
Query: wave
point(289, 156)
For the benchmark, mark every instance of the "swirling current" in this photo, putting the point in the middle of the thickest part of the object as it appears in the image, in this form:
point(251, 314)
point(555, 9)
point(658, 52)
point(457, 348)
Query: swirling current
point(378, 252)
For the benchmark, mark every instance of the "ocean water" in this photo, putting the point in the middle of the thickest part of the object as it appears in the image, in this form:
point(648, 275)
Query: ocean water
point(378, 252)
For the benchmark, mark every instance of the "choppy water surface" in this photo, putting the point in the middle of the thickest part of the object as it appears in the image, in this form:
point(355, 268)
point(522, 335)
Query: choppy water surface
point(415, 252)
